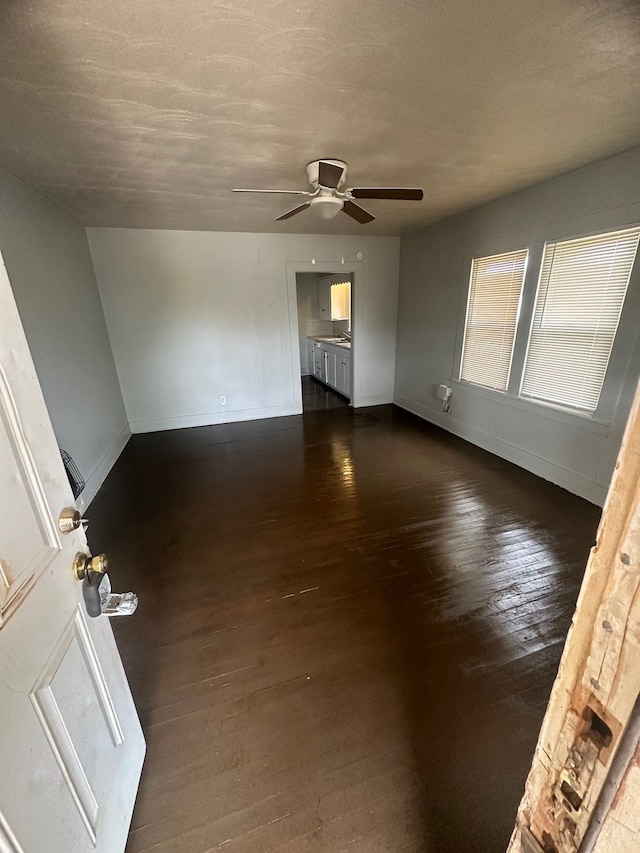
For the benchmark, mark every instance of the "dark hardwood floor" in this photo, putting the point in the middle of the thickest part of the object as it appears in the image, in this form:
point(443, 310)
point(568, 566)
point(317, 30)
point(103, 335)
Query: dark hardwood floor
point(349, 625)
point(317, 396)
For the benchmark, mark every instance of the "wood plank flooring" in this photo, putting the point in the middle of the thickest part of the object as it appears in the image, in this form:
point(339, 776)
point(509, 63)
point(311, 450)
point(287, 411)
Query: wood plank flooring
point(349, 625)
point(317, 396)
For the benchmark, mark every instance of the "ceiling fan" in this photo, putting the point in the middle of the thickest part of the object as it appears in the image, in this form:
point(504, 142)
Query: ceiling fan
point(327, 199)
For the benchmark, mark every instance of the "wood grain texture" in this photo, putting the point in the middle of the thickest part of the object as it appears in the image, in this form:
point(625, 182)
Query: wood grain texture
point(349, 624)
point(620, 830)
point(598, 673)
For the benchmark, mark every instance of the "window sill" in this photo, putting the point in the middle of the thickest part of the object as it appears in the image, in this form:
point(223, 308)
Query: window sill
point(544, 410)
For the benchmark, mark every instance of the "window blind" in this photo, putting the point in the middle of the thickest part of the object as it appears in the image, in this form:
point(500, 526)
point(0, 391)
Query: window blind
point(341, 300)
point(580, 296)
point(492, 317)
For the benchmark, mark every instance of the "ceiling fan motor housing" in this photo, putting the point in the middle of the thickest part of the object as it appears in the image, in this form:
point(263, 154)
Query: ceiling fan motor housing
point(313, 169)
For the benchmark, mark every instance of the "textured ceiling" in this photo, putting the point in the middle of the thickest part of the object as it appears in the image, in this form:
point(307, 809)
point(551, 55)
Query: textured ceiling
point(146, 113)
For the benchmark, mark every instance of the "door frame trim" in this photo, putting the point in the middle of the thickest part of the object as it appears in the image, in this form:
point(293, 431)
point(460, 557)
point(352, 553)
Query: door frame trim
point(598, 683)
point(331, 268)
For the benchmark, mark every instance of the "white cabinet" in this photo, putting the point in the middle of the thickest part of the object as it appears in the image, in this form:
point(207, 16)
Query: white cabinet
point(315, 355)
point(343, 374)
point(324, 296)
point(331, 364)
point(318, 361)
point(330, 367)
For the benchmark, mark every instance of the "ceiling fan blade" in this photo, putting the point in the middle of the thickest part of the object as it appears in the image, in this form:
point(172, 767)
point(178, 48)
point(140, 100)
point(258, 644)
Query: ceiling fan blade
point(358, 213)
point(282, 192)
point(329, 174)
point(390, 193)
point(293, 212)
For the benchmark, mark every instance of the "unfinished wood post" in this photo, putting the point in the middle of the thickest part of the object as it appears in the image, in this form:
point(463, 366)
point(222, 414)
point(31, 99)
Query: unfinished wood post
point(621, 827)
point(598, 678)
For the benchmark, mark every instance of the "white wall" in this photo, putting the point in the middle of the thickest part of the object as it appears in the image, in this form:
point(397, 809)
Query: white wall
point(49, 265)
point(567, 449)
point(196, 315)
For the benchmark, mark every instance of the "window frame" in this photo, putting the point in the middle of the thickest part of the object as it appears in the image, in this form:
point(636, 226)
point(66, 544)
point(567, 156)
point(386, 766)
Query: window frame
point(467, 304)
point(604, 410)
point(626, 345)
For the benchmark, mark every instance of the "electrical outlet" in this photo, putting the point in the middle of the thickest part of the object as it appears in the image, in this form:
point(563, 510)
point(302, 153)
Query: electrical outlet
point(223, 399)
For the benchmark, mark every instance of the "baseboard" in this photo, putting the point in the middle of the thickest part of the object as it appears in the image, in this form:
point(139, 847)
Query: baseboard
point(99, 474)
point(569, 480)
point(213, 418)
point(375, 400)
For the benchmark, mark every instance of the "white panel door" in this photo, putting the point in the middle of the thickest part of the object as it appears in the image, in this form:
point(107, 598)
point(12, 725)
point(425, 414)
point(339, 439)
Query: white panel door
point(71, 745)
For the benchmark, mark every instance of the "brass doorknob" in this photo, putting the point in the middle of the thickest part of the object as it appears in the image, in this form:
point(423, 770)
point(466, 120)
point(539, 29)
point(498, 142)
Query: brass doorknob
point(83, 564)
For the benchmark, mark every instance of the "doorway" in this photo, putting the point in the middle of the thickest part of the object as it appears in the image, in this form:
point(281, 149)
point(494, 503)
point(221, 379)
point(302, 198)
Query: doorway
point(323, 312)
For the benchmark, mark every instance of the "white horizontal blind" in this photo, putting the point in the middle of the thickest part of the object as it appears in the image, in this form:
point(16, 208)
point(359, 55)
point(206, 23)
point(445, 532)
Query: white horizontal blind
point(492, 316)
point(580, 295)
point(341, 301)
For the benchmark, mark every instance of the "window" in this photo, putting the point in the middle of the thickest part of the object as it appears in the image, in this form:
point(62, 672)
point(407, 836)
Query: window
point(341, 301)
point(580, 295)
point(492, 317)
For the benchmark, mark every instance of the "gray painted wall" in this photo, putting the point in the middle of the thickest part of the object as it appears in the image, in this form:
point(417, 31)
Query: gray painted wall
point(194, 315)
point(575, 452)
point(49, 265)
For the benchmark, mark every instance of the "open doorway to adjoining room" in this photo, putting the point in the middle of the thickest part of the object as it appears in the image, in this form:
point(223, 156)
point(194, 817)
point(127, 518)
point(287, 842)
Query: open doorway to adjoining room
point(324, 332)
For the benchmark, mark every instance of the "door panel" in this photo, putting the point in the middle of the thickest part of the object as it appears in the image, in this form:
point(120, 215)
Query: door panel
point(31, 546)
point(75, 710)
point(70, 739)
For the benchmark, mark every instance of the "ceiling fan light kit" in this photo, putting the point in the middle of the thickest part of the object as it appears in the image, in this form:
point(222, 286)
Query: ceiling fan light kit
point(327, 177)
point(326, 207)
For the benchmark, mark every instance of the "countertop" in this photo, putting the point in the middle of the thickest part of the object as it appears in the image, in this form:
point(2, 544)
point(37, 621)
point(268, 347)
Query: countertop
point(330, 340)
